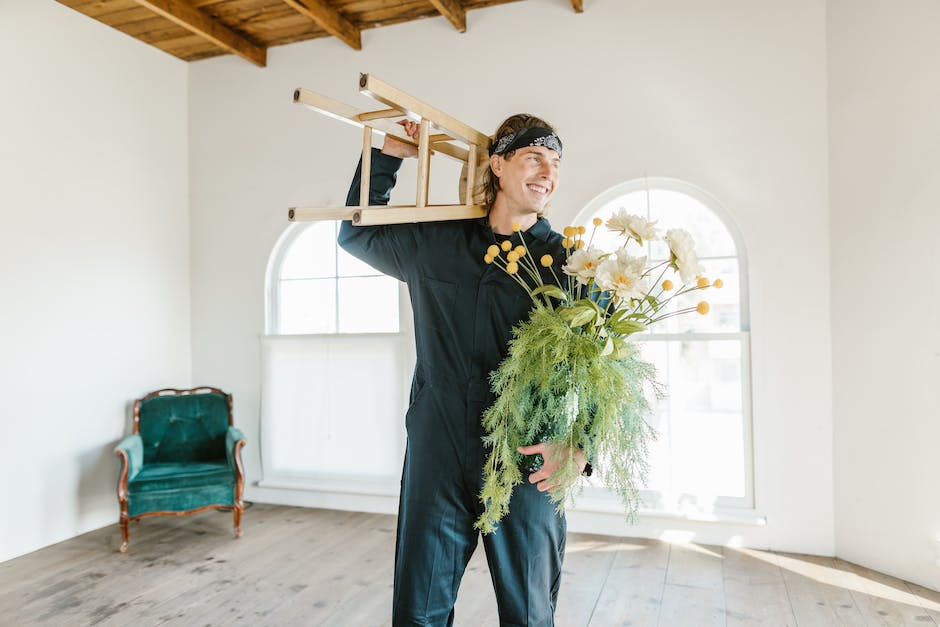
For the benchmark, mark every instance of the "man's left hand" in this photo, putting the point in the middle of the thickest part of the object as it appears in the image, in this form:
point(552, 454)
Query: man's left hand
point(554, 456)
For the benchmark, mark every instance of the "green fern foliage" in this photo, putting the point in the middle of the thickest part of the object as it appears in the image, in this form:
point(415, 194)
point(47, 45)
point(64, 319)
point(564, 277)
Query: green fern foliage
point(560, 383)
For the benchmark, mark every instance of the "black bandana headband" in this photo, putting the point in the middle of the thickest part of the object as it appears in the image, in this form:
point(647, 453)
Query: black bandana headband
point(537, 136)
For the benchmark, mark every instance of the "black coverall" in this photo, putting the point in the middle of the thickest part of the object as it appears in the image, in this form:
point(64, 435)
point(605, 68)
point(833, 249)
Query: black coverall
point(464, 311)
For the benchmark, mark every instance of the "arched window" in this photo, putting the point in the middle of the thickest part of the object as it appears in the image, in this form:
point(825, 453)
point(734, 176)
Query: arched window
point(702, 458)
point(333, 368)
point(317, 287)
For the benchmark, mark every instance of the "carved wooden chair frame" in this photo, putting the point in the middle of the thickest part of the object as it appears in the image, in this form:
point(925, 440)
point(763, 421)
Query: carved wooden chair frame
point(238, 508)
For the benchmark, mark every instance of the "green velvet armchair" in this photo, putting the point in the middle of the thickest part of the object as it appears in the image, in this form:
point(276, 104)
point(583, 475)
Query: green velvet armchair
point(183, 457)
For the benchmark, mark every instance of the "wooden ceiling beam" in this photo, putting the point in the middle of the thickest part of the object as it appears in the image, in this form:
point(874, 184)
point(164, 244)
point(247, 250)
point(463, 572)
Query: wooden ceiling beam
point(201, 24)
point(453, 11)
point(330, 20)
point(578, 6)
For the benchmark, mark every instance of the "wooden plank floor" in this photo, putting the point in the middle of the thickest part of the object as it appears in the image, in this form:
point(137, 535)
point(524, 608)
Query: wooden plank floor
point(298, 566)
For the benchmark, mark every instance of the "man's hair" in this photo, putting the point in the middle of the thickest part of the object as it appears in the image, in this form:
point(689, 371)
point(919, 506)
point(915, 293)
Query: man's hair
point(512, 124)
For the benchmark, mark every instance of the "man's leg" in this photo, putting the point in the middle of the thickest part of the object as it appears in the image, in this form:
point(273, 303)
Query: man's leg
point(435, 541)
point(525, 554)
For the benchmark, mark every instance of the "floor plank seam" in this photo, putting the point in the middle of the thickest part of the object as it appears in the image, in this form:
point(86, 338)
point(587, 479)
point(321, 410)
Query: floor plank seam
point(662, 592)
point(796, 621)
point(724, 590)
point(920, 602)
point(600, 591)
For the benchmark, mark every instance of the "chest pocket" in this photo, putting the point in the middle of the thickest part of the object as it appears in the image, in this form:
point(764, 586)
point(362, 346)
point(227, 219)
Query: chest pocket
point(509, 305)
point(436, 303)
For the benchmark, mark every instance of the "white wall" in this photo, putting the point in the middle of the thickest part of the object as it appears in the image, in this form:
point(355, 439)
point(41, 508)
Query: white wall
point(885, 204)
point(94, 260)
point(729, 95)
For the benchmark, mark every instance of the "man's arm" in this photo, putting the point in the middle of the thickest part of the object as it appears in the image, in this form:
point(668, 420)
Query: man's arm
point(383, 178)
point(389, 248)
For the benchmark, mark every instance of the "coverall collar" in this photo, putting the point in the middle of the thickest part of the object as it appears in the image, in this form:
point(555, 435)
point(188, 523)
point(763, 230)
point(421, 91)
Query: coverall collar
point(541, 229)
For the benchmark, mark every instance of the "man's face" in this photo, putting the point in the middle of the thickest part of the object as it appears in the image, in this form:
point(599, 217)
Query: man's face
point(528, 179)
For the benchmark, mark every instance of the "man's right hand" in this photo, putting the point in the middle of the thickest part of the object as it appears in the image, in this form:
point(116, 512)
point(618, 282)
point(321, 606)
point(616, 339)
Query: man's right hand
point(397, 148)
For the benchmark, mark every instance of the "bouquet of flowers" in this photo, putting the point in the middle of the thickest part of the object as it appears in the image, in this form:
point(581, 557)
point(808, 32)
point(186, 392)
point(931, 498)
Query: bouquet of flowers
point(573, 376)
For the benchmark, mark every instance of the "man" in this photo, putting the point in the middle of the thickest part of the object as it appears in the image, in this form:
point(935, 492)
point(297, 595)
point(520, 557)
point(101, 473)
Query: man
point(464, 312)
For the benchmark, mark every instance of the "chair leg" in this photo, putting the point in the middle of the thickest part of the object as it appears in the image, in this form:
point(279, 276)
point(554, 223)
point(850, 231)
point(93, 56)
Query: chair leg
point(238, 505)
point(237, 511)
point(125, 531)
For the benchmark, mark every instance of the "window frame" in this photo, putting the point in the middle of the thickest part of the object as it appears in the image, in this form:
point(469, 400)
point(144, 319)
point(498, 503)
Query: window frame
point(272, 284)
point(743, 334)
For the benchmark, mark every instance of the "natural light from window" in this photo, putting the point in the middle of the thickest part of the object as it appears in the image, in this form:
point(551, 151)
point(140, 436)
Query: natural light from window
point(334, 368)
point(701, 459)
point(322, 289)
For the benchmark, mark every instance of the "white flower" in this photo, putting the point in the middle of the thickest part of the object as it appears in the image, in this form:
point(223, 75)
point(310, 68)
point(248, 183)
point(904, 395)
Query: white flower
point(623, 275)
point(633, 226)
point(582, 264)
point(684, 258)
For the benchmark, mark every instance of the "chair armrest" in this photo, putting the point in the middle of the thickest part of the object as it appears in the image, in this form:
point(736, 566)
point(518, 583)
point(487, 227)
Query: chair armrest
point(233, 437)
point(132, 448)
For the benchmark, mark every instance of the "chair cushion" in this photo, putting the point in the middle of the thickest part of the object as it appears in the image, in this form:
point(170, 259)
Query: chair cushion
point(173, 476)
point(182, 500)
point(185, 428)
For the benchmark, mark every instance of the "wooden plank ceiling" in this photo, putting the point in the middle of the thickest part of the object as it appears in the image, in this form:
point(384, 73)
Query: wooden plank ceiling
point(198, 29)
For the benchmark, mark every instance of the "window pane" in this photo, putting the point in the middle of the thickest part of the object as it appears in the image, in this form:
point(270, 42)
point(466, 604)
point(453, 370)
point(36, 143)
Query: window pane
point(347, 265)
point(604, 238)
point(368, 305)
point(674, 210)
point(315, 418)
point(307, 306)
point(633, 202)
point(724, 309)
point(670, 210)
point(312, 254)
point(700, 454)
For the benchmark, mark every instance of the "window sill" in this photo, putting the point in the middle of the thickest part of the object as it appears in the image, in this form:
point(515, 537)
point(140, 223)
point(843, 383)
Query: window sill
point(313, 336)
point(389, 487)
point(361, 487)
point(723, 515)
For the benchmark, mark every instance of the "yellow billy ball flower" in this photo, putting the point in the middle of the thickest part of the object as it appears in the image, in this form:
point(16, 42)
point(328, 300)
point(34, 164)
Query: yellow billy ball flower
point(506, 245)
point(513, 256)
point(493, 250)
point(567, 242)
point(702, 282)
point(546, 260)
point(488, 259)
point(581, 230)
point(718, 283)
point(702, 308)
point(598, 221)
point(667, 285)
point(580, 244)
point(520, 250)
point(512, 267)
point(516, 226)
point(569, 231)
